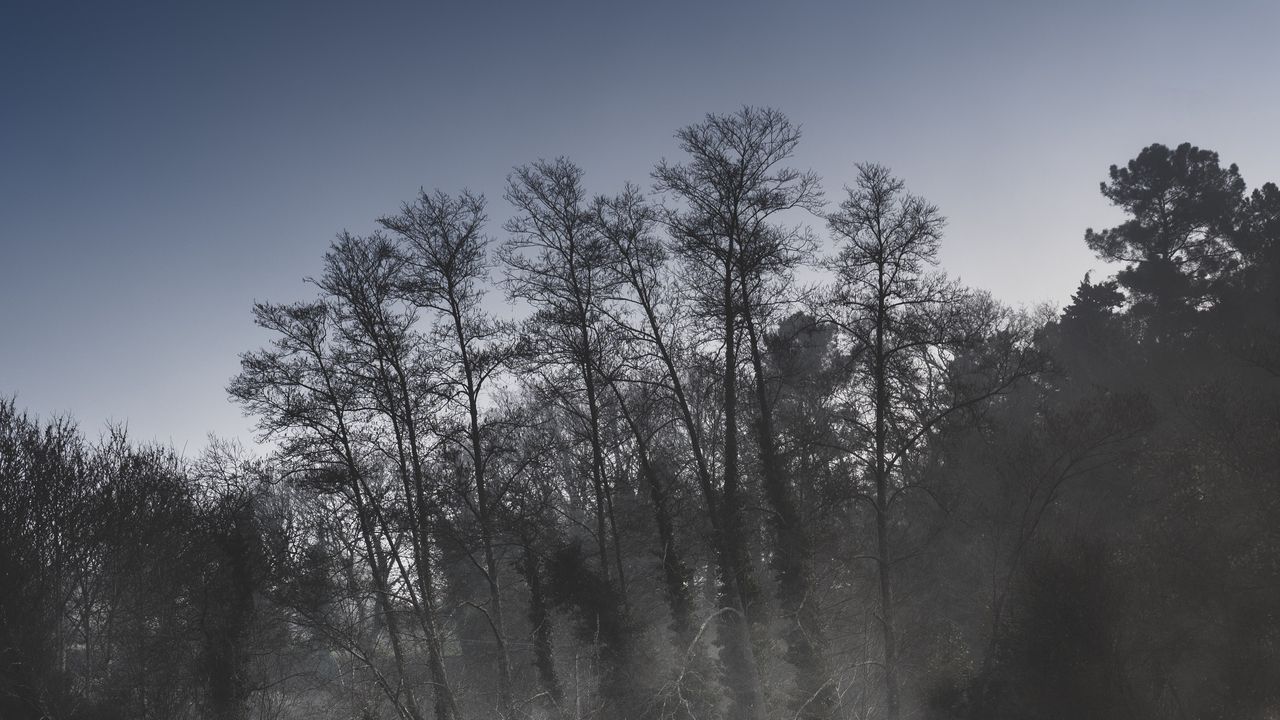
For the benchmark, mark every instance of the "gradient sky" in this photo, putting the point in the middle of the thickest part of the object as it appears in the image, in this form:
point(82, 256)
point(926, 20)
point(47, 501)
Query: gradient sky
point(163, 165)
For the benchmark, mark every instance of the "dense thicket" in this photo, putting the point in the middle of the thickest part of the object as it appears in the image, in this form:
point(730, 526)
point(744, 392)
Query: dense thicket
point(679, 482)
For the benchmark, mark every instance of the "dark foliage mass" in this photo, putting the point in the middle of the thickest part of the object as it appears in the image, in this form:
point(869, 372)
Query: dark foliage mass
point(743, 451)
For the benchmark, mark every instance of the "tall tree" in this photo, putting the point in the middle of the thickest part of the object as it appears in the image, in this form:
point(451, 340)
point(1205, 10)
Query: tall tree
point(628, 223)
point(445, 266)
point(557, 261)
point(928, 349)
point(306, 402)
point(386, 358)
point(730, 190)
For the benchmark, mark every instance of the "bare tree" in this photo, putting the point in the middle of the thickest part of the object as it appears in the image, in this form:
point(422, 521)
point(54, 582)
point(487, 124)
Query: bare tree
point(928, 349)
point(445, 265)
point(392, 365)
point(556, 262)
point(305, 401)
point(730, 190)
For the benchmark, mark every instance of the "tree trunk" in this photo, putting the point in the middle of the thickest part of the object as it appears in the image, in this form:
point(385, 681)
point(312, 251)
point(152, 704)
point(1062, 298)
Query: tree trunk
point(382, 592)
point(884, 559)
point(445, 704)
point(674, 572)
point(597, 463)
point(484, 506)
point(814, 695)
point(741, 672)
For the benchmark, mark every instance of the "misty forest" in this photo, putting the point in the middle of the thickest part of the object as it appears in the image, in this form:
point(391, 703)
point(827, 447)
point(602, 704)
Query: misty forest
point(725, 443)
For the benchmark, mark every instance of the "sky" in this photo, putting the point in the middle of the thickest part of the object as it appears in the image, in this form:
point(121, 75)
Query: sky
point(165, 164)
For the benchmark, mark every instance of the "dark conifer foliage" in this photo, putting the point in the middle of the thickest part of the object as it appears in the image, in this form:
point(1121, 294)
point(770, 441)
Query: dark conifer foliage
point(680, 482)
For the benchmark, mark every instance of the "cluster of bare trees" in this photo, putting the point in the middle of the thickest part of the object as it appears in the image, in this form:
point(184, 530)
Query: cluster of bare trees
point(681, 483)
point(643, 376)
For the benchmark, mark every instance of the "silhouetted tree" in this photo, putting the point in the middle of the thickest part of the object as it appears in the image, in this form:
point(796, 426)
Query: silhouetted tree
point(303, 400)
point(556, 261)
point(928, 350)
point(1181, 205)
point(731, 188)
point(445, 265)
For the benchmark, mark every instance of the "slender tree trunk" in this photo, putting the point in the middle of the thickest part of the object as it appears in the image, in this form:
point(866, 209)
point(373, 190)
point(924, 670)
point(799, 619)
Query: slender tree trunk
point(617, 543)
point(597, 462)
point(395, 389)
point(682, 402)
point(674, 572)
point(814, 694)
point(382, 593)
point(445, 705)
point(495, 617)
point(484, 507)
point(881, 471)
point(377, 561)
point(742, 674)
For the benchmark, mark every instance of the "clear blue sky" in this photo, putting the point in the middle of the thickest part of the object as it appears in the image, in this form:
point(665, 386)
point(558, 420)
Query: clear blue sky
point(163, 165)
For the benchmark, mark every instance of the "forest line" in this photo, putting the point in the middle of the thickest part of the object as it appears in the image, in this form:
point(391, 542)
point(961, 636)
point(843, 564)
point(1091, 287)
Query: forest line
point(687, 486)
